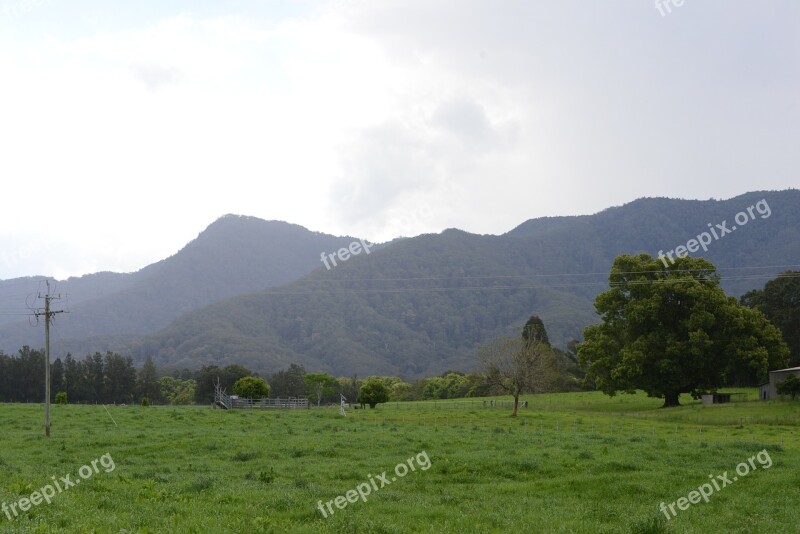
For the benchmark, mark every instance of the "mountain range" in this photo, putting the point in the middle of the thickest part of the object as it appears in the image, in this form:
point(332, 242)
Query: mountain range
point(255, 292)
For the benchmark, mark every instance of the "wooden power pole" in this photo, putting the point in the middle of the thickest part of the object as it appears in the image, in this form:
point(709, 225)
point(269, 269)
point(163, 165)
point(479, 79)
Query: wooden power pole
point(48, 315)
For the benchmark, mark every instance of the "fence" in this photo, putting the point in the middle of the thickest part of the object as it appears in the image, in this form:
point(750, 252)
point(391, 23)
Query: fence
point(291, 403)
point(229, 402)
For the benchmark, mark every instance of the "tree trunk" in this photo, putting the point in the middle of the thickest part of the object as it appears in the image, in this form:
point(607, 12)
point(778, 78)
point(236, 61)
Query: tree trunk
point(671, 400)
point(516, 404)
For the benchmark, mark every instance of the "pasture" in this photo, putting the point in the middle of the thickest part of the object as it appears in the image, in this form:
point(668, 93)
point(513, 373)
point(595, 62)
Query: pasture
point(571, 462)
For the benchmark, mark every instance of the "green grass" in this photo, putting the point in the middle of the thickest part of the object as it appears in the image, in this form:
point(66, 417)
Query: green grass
point(579, 462)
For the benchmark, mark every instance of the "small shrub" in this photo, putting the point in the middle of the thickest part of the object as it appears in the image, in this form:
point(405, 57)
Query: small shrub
point(266, 477)
point(61, 397)
point(145, 401)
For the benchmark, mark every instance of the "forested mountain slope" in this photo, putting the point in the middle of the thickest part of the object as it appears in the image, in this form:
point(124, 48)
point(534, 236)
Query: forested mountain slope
point(420, 305)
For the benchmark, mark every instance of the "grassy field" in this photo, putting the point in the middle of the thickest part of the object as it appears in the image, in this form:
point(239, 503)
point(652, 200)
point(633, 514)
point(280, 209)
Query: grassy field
point(579, 462)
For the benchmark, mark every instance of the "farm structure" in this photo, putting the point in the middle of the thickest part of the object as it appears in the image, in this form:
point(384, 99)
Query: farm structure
point(230, 402)
point(722, 398)
point(769, 390)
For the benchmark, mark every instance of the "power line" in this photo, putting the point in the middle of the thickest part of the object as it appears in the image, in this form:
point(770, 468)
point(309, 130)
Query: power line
point(534, 284)
point(512, 287)
point(509, 276)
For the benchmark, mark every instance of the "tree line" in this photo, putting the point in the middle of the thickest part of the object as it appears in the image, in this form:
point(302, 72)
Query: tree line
point(112, 378)
point(101, 378)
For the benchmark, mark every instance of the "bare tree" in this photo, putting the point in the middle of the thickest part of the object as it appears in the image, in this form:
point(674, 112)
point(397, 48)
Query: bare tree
point(518, 366)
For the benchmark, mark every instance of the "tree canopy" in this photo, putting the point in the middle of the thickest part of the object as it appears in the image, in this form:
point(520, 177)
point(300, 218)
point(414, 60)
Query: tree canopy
point(176, 390)
point(320, 385)
point(289, 382)
point(672, 330)
point(251, 387)
point(790, 386)
point(516, 366)
point(373, 392)
point(780, 303)
point(534, 330)
point(208, 375)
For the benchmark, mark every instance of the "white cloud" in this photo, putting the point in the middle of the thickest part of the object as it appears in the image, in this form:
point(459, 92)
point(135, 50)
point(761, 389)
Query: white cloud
point(122, 138)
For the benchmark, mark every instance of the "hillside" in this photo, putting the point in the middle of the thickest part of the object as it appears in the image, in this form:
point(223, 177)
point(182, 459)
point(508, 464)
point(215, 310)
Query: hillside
point(415, 307)
point(17, 293)
point(655, 224)
point(420, 305)
point(233, 255)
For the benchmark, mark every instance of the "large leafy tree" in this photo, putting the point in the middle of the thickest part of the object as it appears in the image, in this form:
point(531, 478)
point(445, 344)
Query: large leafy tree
point(373, 392)
point(450, 385)
point(176, 390)
point(780, 302)
point(251, 387)
point(320, 385)
point(672, 330)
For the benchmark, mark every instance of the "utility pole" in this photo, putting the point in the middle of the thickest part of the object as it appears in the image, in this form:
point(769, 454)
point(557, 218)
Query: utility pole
point(47, 316)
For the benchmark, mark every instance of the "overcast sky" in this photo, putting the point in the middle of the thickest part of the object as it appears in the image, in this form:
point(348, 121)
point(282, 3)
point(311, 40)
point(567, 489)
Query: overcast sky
point(126, 128)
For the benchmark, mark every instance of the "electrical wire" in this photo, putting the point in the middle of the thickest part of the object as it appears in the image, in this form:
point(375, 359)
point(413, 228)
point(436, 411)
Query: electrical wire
point(513, 287)
point(556, 274)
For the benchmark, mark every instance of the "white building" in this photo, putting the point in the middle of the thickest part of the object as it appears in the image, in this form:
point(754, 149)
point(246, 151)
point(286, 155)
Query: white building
point(769, 390)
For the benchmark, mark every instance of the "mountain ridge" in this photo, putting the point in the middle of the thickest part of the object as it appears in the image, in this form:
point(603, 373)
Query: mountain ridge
point(233, 255)
point(420, 305)
point(413, 317)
